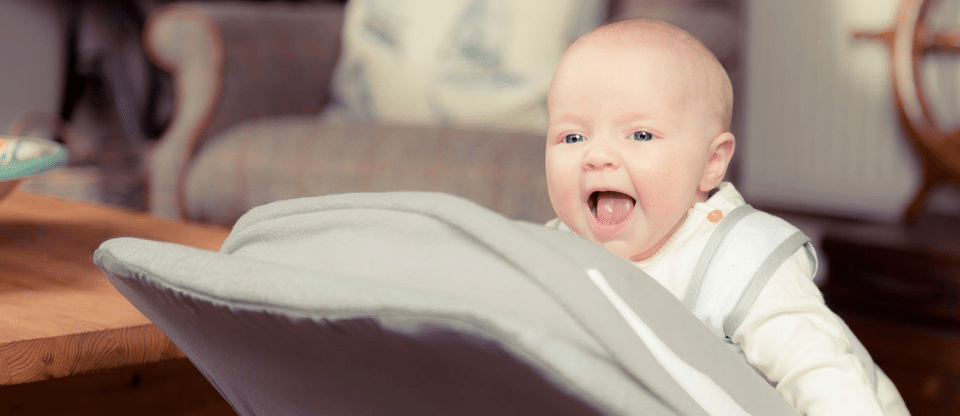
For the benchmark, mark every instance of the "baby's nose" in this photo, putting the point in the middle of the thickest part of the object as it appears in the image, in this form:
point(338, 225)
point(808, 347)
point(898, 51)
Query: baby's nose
point(601, 156)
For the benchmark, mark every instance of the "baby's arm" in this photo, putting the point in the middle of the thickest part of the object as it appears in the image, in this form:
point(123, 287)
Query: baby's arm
point(796, 341)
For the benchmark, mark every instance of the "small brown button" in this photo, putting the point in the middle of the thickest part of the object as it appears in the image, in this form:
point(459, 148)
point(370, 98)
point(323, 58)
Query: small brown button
point(715, 216)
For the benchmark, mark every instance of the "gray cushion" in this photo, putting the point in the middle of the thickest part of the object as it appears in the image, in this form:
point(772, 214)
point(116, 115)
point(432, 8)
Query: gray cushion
point(421, 303)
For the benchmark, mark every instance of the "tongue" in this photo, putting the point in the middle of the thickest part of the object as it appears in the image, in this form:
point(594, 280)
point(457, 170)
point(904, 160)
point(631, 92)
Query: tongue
point(613, 207)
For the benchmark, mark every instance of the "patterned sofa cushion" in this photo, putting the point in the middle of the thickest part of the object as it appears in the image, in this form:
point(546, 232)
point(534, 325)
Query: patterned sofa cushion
point(283, 158)
point(456, 62)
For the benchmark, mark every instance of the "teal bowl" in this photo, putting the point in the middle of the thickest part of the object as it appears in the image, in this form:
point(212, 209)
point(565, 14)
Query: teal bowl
point(22, 157)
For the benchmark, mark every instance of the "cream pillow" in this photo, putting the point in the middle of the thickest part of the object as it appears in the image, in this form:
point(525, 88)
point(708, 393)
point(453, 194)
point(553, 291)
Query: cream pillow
point(456, 62)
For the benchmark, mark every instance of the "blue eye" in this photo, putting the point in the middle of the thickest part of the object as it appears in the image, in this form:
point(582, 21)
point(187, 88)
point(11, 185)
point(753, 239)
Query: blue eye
point(574, 138)
point(642, 136)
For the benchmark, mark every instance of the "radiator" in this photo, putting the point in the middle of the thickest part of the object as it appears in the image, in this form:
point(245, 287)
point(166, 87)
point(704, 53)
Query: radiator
point(821, 132)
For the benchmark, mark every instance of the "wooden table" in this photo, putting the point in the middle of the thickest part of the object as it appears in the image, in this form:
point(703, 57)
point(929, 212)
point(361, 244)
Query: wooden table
point(59, 316)
point(898, 287)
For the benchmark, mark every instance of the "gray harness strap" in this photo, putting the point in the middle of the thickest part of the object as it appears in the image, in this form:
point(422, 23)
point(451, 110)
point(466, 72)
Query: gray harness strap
point(557, 224)
point(760, 279)
point(696, 280)
point(738, 260)
point(740, 257)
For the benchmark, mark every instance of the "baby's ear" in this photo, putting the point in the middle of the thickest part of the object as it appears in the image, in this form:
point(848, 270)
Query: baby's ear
point(721, 151)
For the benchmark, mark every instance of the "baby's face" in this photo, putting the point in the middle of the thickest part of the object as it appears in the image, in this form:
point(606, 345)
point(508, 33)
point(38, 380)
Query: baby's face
point(628, 143)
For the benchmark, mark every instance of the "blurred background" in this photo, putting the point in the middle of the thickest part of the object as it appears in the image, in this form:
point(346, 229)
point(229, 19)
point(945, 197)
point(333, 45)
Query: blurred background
point(821, 127)
point(817, 125)
point(200, 111)
point(75, 71)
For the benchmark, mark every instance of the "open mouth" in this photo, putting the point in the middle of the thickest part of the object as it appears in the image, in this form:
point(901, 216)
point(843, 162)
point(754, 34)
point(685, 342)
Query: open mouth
point(610, 207)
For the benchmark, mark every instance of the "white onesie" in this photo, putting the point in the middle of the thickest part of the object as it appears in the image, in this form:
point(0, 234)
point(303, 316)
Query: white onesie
point(788, 333)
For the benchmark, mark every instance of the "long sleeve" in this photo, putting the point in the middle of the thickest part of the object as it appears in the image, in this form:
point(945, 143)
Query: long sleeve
point(797, 342)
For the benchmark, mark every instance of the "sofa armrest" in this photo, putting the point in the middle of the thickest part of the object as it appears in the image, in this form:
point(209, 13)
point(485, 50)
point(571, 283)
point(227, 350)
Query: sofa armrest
point(232, 62)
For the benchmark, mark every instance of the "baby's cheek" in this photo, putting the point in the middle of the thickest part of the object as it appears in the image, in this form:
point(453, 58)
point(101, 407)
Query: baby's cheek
point(559, 187)
point(563, 204)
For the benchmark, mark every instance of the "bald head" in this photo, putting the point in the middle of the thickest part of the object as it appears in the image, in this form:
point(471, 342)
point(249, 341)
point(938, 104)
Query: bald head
point(639, 109)
point(708, 76)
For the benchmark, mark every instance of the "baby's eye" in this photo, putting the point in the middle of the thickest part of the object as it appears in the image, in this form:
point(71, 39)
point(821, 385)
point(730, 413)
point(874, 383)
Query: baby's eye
point(574, 138)
point(642, 136)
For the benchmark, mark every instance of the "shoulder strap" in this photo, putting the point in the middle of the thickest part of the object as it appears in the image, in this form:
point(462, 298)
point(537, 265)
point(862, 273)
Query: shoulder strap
point(738, 260)
point(732, 218)
point(554, 223)
point(557, 224)
point(780, 254)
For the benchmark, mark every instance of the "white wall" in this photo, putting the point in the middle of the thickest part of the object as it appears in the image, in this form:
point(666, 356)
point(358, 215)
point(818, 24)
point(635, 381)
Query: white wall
point(822, 132)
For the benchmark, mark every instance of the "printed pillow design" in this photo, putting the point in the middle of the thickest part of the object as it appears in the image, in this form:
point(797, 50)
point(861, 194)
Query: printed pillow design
point(485, 63)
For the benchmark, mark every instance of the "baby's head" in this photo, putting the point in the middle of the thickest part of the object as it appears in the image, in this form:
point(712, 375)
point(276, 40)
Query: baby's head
point(638, 133)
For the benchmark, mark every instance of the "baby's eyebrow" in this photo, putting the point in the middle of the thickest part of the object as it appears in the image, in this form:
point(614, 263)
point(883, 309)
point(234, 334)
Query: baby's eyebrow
point(568, 120)
point(632, 118)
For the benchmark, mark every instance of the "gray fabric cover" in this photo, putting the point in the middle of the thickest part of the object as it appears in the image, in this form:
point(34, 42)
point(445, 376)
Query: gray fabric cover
point(263, 161)
point(420, 303)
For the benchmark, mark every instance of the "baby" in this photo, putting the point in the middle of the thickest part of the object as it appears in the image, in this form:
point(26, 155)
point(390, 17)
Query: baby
point(638, 143)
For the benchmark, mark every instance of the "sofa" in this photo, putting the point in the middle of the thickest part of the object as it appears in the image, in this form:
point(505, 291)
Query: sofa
point(280, 100)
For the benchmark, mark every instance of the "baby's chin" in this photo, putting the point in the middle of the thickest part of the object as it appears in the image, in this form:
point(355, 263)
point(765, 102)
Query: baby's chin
point(625, 250)
point(619, 245)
